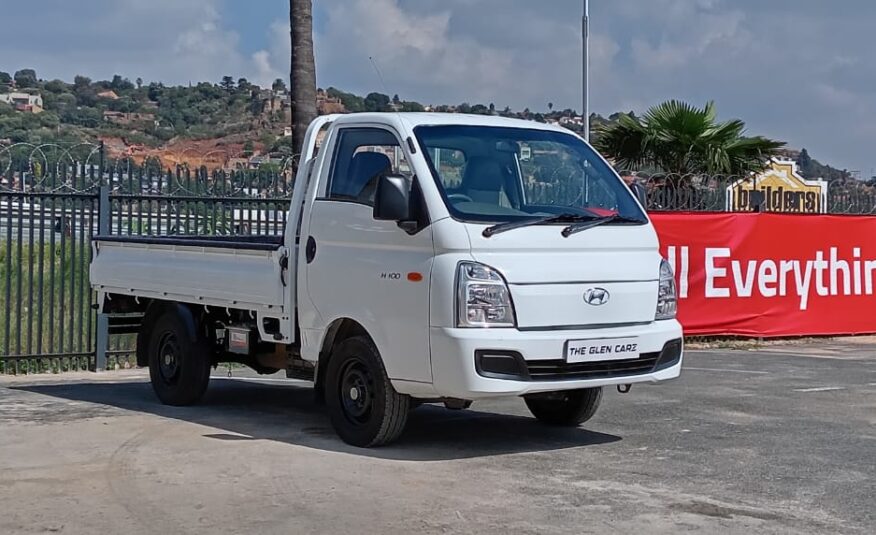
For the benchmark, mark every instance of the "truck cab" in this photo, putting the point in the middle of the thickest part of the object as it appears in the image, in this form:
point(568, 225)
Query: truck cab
point(426, 258)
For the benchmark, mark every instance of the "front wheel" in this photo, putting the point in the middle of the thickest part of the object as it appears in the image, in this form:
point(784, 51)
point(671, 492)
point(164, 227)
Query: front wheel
point(570, 408)
point(365, 409)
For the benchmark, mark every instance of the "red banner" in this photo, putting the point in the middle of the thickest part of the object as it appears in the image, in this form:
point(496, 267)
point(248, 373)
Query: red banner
point(772, 274)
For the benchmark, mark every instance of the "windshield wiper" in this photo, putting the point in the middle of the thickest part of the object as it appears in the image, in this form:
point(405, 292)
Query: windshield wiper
point(587, 225)
point(511, 225)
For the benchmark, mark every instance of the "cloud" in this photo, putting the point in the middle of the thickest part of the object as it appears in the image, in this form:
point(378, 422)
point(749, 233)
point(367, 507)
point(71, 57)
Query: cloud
point(792, 70)
point(415, 52)
point(798, 70)
point(164, 40)
point(273, 62)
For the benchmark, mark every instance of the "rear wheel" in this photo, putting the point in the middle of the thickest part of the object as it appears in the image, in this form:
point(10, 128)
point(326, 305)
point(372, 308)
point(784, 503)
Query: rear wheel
point(179, 361)
point(570, 408)
point(365, 409)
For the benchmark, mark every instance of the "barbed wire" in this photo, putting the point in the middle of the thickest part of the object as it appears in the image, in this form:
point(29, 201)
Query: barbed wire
point(75, 168)
point(79, 167)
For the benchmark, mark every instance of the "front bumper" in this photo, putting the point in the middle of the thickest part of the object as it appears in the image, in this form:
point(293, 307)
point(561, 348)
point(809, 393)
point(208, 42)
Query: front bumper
point(456, 375)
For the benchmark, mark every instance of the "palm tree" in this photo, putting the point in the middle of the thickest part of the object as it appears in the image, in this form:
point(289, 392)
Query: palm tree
point(303, 69)
point(679, 138)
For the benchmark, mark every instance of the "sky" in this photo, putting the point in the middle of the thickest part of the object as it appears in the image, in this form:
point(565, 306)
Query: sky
point(803, 71)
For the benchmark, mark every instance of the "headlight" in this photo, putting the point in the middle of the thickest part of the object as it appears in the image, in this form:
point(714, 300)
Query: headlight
point(667, 300)
point(483, 298)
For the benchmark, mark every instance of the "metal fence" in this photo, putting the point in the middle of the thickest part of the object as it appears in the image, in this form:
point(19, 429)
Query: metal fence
point(48, 216)
point(51, 206)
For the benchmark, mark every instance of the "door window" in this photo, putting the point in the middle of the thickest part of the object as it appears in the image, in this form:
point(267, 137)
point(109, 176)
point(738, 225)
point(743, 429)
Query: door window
point(362, 156)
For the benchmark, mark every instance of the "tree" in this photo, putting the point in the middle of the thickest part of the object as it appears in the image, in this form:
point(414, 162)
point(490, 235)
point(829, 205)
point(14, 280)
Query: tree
point(80, 82)
point(279, 85)
point(243, 85)
point(5, 79)
point(353, 103)
point(227, 83)
point(282, 147)
point(248, 148)
point(120, 84)
point(412, 106)
point(804, 161)
point(303, 73)
point(550, 106)
point(124, 104)
point(679, 138)
point(56, 86)
point(139, 83)
point(377, 102)
point(26, 78)
point(154, 91)
point(86, 96)
point(267, 139)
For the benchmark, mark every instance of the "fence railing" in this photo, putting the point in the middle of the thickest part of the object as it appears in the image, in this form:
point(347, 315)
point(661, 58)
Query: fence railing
point(48, 217)
point(51, 208)
point(45, 296)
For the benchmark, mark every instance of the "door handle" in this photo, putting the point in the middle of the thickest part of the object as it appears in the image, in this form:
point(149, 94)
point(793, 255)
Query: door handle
point(310, 250)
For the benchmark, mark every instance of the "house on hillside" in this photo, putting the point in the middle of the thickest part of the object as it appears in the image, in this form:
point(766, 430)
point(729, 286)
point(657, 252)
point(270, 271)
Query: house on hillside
point(108, 95)
point(23, 101)
point(327, 105)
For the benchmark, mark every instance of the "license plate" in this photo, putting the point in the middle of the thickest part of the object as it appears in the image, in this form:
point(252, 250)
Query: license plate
point(602, 349)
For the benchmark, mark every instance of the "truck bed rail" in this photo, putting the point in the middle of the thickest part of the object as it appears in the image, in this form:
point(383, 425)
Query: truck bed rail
point(251, 243)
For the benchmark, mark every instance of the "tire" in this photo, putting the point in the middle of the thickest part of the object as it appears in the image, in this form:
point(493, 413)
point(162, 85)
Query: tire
point(569, 409)
point(179, 366)
point(365, 409)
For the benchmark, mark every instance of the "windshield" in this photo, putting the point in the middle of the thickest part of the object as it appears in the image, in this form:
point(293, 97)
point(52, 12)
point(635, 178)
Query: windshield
point(495, 175)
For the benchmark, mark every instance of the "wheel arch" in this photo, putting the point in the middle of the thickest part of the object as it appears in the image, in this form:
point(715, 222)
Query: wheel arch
point(154, 311)
point(337, 331)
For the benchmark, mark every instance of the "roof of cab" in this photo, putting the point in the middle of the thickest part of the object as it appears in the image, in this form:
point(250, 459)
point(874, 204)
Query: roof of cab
point(413, 119)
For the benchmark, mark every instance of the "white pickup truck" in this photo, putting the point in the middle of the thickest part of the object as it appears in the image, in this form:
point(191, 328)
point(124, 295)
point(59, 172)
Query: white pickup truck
point(427, 258)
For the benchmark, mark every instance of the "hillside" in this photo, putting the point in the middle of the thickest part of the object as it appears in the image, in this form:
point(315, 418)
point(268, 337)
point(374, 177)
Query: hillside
point(213, 124)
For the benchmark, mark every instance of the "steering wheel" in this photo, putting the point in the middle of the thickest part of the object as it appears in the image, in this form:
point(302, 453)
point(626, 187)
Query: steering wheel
point(459, 197)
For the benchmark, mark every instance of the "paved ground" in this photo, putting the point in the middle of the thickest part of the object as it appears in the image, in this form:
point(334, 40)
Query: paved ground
point(776, 441)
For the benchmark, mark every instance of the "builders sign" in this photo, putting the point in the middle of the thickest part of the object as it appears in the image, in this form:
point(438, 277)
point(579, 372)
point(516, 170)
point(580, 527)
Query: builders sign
point(778, 189)
point(772, 274)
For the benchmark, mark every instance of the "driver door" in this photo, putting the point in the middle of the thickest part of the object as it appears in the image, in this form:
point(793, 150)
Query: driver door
point(367, 270)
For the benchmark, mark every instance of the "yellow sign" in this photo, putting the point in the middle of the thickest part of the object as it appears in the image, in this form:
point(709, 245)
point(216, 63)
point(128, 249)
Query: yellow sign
point(779, 188)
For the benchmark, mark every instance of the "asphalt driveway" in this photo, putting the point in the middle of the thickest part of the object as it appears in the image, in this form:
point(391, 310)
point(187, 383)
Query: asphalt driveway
point(777, 440)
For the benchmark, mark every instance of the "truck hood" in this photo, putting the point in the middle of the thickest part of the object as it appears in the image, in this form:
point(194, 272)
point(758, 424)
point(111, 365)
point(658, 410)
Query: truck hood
point(549, 276)
point(540, 254)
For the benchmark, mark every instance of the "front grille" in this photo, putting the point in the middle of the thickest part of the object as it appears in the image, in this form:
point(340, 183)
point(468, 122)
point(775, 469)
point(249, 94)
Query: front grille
point(557, 370)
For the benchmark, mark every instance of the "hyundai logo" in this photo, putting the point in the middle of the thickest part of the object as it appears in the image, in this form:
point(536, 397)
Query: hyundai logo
point(596, 296)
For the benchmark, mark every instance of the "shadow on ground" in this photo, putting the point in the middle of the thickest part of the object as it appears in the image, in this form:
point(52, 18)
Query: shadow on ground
point(287, 413)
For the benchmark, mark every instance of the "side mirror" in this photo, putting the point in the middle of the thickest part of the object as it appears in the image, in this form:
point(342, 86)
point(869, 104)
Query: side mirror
point(392, 200)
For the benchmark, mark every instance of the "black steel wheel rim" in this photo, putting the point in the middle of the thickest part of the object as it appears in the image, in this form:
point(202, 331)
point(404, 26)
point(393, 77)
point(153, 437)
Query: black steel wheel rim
point(356, 392)
point(168, 358)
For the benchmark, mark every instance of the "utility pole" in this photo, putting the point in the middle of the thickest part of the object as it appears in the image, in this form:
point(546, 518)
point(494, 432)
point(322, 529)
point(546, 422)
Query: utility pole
point(585, 34)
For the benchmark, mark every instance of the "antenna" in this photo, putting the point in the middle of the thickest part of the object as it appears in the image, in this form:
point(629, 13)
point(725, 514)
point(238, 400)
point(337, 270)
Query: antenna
point(386, 89)
point(379, 74)
point(380, 77)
